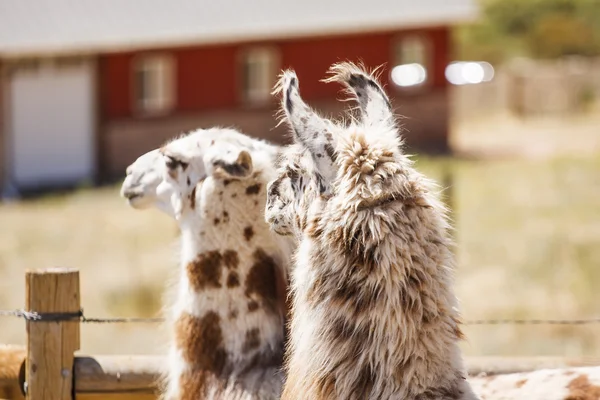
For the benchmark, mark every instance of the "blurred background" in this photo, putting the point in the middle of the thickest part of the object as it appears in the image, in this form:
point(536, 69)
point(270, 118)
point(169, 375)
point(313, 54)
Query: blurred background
point(500, 102)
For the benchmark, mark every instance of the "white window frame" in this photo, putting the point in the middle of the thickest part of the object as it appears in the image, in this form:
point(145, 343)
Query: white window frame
point(422, 48)
point(266, 59)
point(159, 86)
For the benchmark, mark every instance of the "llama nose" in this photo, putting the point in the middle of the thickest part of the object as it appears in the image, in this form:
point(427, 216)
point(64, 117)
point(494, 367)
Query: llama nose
point(130, 192)
point(132, 195)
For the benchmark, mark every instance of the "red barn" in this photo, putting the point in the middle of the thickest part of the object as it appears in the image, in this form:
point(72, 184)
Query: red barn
point(88, 85)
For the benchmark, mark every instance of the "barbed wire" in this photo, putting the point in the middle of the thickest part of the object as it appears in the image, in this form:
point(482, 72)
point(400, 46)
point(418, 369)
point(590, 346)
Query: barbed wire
point(33, 316)
point(122, 320)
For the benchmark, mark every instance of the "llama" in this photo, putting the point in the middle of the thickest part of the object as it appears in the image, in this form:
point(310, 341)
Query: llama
point(228, 319)
point(582, 383)
point(373, 312)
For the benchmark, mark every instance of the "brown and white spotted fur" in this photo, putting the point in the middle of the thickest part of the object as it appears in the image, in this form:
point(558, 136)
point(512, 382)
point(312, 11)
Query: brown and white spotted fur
point(228, 319)
point(374, 315)
point(582, 383)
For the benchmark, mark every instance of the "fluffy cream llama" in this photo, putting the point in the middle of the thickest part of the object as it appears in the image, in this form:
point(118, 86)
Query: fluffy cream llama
point(374, 315)
point(581, 383)
point(227, 320)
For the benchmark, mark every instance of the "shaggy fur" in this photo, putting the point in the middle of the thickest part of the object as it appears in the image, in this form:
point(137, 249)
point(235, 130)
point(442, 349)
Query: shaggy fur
point(547, 384)
point(228, 319)
point(374, 315)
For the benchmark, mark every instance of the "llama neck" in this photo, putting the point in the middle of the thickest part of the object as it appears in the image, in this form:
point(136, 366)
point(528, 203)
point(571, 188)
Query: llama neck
point(227, 315)
point(387, 302)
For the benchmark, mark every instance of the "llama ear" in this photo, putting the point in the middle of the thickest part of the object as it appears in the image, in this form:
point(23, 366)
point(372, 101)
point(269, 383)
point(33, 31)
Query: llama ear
point(229, 164)
point(374, 104)
point(310, 130)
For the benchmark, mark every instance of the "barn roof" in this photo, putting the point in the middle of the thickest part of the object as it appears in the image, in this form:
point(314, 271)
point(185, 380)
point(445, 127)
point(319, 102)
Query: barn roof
point(65, 26)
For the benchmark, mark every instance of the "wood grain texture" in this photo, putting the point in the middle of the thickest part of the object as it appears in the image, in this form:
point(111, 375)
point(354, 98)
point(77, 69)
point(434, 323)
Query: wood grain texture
point(117, 374)
point(51, 345)
point(11, 358)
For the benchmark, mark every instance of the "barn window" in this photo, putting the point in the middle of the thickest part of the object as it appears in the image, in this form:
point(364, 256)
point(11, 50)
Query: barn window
point(412, 61)
point(154, 84)
point(259, 68)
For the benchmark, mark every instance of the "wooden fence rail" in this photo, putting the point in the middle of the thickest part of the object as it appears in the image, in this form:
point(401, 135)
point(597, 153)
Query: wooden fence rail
point(50, 370)
point(135, 377)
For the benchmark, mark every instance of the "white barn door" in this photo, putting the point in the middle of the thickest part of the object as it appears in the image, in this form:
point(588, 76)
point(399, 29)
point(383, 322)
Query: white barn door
point(52, 125)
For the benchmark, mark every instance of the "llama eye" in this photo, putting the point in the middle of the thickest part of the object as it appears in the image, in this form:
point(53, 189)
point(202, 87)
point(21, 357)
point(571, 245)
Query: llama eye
point(171, 163)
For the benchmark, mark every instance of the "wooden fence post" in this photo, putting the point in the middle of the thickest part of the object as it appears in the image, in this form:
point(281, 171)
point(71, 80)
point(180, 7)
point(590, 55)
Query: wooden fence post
point(51, 345)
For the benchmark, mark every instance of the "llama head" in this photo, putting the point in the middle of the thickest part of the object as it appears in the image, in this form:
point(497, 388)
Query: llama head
point(141, 182)
point(292, 166)
point(189, 160)
point(306, 168)
point(365, 153)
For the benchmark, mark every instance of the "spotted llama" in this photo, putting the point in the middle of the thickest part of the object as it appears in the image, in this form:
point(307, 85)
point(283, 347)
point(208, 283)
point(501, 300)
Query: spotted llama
point(228, 319)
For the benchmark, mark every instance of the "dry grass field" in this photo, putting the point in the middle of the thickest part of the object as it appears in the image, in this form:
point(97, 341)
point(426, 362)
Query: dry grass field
point(527, 232)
